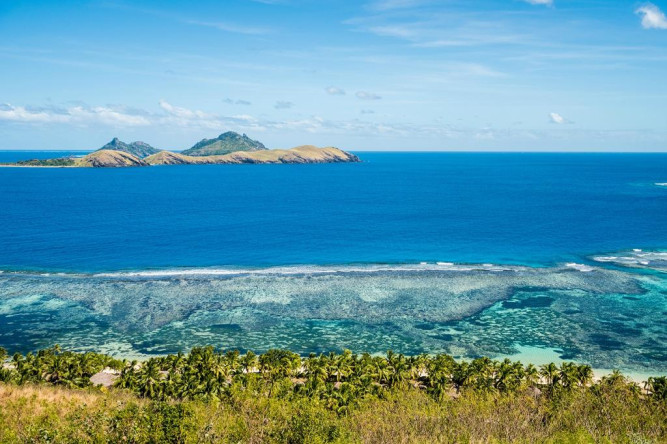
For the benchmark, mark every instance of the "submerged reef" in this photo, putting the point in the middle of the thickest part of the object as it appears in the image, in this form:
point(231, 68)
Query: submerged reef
point(606, 317)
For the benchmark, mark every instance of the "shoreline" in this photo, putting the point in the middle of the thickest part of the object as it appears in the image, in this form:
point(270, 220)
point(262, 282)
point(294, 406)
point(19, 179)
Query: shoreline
point(527, 356)
point(638, 377)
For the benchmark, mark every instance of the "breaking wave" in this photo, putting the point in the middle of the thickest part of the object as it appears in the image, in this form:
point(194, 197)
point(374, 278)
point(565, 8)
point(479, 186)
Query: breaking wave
point(636, 258)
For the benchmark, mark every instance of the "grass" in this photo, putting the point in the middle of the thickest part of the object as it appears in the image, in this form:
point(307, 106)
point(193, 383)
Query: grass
point(51, 414)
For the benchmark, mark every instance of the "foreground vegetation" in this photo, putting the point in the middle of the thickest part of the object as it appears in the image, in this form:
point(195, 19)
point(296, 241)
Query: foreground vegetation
point(211, 396)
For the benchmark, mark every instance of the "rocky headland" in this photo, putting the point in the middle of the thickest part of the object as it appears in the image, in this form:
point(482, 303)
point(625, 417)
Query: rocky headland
point(300, 154)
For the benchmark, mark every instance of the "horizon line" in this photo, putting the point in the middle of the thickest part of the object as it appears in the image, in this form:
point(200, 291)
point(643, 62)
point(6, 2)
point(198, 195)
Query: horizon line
point(401, 150)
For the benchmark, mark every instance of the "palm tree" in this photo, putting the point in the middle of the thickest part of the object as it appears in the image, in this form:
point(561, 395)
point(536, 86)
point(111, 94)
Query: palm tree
point(584, 375)
point(316, 370)
point(508, 376)
point(550, 374)
point(657, 388)
point(531, 375)
point(614, 379)
point(149, 379)
point(568, 375)
point(249, 362)
point(345, 364)
point(460, 375)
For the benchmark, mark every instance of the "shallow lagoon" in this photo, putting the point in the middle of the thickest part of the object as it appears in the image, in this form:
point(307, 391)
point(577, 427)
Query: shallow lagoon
point(607, 317)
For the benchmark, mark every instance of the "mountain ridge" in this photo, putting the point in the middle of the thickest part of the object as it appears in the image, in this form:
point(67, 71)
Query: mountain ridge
point(138, 148)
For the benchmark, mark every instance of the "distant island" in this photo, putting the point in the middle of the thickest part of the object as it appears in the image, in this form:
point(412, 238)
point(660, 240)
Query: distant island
point(227, 148)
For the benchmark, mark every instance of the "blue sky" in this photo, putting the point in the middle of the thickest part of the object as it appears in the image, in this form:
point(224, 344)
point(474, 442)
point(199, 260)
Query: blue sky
point(529, 75)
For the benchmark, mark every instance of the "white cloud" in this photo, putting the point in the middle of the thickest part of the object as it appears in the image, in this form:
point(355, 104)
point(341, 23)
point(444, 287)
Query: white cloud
point(80, 115)
point(540, 2)
point(365, 95)
point(334, 91)
point(187, 118)
point(652, 17)
point(21, 114)
point(184, 113)
point(558, 119)
point(108, 116)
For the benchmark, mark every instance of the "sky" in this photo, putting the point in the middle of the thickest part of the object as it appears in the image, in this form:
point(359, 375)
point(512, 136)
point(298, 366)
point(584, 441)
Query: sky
point(489, 75)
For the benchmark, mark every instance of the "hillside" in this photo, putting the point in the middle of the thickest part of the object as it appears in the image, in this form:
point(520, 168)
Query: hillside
point(225, 143)
point(138, 149)
point(109, 158)
point(171, 158)
point(214, 396)
point(301, 154)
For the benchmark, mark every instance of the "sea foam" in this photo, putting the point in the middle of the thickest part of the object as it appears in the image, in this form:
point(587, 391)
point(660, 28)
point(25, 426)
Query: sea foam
point(636, 258)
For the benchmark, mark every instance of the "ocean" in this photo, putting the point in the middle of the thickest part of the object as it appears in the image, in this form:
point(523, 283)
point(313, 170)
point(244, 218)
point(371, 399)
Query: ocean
point(538, 257)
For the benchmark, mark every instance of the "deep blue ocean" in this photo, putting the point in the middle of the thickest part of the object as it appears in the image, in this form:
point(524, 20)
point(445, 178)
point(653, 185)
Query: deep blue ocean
point(392, 208)
point(500, 254)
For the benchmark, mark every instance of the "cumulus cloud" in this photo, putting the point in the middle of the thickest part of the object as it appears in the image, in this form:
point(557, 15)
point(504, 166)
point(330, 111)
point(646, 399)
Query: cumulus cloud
point(540, 2)
point(21, 114)
point(558, 119)
point(188, 118)
point(652, 16)
point(365, 95)
point(283, 105)
point(334, 91)
point(79, 114)
point(184, 113)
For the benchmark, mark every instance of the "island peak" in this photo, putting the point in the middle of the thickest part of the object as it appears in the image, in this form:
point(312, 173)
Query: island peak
point(225, 143)
point(138, 149)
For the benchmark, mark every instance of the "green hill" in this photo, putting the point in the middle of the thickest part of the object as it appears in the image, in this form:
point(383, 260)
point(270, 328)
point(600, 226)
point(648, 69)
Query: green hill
point(58, 162)
point(138, 149)
point(225, 143)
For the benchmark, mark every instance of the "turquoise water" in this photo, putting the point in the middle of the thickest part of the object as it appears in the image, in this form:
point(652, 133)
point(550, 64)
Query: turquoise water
point(469, 254)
